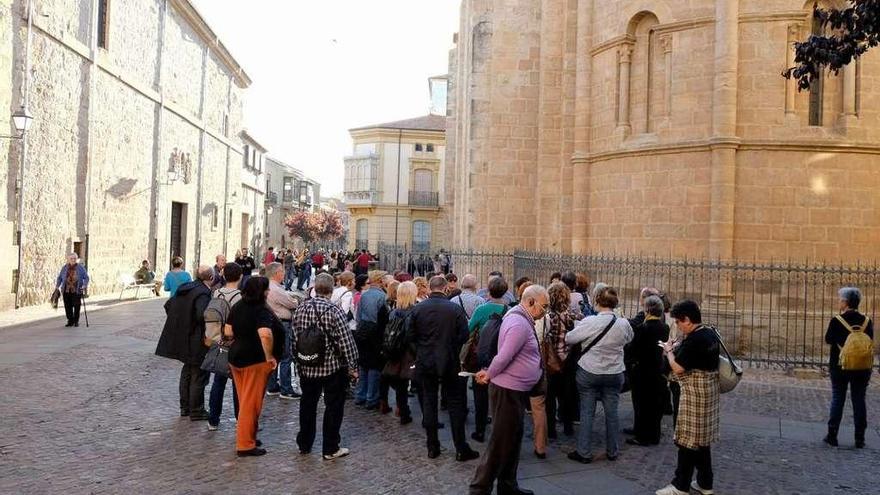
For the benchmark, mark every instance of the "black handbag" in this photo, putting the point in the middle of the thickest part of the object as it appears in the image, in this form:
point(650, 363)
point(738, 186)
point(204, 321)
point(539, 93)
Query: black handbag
point(217, 360)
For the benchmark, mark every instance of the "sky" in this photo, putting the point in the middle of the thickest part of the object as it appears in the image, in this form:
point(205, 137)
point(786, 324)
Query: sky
point(322, 67)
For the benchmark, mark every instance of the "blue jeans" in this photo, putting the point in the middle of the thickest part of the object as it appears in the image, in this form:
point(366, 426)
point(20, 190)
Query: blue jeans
point(367, 387)
point(289, 277)
point(857, 381)
point(283, 374)
point(592, 389)
point(215, 402)
point(304, 276)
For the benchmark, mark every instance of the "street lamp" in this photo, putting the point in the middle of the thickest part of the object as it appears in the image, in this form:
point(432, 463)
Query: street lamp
point(21, 120)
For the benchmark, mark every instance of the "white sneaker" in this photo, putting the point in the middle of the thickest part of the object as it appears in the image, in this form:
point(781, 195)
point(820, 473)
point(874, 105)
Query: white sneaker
point(342, 452)
point(212, 427)
point(703, 491)
point(272, 394)
point(670, 490)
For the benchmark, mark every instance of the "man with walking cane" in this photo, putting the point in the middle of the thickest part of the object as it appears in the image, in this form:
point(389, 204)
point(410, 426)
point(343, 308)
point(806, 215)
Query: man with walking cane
point(72, 283)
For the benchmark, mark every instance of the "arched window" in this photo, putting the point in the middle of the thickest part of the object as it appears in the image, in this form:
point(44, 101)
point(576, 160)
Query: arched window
point(421, 235)
point(423, 180)
point(647, 74)
point(480, 45)
point(361, 234)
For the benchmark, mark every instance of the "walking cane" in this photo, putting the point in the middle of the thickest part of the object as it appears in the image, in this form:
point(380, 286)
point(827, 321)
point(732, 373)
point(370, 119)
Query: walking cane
point(85, 312)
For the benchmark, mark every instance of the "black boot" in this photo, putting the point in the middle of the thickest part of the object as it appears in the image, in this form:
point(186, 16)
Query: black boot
point(831, 437)
point(860, 439)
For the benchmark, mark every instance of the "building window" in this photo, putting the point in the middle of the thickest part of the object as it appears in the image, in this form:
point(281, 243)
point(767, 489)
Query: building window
point(429, 148)
point(817, 86)
point(215, 214)
point(418, 146)
point(421, 236)
point(288, 189)
point(247, 155)
point(229, 226)
point(226, 125)
point(361, 235)
point(103, 23)
point(268, 182)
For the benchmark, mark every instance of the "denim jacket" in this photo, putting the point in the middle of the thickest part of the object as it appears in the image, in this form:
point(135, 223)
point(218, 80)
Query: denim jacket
point(82, 278)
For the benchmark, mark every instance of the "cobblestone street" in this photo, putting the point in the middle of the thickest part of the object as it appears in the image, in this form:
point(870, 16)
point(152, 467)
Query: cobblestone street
point(92, 410)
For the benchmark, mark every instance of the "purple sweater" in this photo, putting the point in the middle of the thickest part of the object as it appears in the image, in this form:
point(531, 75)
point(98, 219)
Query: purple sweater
point(517, 366)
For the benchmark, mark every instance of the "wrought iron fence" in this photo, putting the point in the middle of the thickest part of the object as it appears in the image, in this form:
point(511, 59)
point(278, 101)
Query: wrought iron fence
point(770, 314)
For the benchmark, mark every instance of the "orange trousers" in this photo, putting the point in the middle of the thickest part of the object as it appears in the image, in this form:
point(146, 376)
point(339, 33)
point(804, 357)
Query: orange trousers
point(250, 384)
point(539, 420)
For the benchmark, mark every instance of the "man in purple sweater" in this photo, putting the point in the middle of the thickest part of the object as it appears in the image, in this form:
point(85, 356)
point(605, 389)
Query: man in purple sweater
point(513, 373)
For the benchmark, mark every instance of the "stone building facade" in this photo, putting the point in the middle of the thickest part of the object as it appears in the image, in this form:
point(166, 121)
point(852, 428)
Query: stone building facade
point(395, 185)
point(136, 150)
point(658, 127)
point(287, 190)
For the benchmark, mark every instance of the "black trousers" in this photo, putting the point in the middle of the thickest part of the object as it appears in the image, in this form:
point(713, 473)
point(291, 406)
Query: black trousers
point(401, 393)
point(562, 391)
point(456, 396)
point(334, 388)
point(647, 397)
point(688, 460)
point(193, 381)
point(72, 304)
point(481, 407)
point(501, 459)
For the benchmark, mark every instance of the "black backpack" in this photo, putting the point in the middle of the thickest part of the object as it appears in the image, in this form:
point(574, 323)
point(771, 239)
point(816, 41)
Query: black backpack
point(311, 343)
point(393, 340)
point(488, 345)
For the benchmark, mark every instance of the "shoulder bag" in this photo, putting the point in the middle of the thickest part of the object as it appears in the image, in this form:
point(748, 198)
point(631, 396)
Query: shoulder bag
point(729, 373)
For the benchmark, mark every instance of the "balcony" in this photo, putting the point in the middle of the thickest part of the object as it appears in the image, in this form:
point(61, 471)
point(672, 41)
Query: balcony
point(424, 198)
point(361, 197)
point(271, 199)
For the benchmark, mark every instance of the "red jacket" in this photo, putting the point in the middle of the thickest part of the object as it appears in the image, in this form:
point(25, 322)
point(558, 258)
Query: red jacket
point(318, 260)
point(364, 260)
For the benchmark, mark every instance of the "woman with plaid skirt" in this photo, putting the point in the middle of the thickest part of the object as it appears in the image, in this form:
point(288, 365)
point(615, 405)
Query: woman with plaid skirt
point(694, 364)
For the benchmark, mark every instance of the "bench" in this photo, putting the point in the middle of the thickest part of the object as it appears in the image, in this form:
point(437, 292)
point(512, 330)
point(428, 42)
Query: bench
point(128, 282)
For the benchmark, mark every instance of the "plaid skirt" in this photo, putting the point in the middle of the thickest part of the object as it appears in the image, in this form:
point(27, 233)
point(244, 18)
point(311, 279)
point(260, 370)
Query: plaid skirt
point(699, 410)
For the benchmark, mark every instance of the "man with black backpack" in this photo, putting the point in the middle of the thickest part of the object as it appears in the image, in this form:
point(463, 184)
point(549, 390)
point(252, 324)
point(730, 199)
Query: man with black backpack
point(326, 357)
point(438, 329)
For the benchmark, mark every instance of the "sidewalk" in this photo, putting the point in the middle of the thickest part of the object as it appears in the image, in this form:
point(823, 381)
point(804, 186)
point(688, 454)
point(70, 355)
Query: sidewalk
point(30, 314)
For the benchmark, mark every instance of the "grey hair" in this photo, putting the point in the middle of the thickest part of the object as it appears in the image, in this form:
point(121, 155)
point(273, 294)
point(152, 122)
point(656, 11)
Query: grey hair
point(469, 281)
point(205, 273)
point(273, 268)
point(324, 284)
point(654, 306)
point(534, 292)
point(437, 283)
point(852, 296)
point(72, 254)
point(597, 288)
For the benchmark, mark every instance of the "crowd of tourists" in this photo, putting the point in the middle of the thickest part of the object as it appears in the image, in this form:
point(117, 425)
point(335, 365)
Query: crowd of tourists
point(551, 354)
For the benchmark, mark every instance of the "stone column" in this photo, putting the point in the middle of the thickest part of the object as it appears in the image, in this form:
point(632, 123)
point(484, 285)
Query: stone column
point(581, 167)
point(794, 32)
point(624, 54)
point(666, 45)
point(724, 141)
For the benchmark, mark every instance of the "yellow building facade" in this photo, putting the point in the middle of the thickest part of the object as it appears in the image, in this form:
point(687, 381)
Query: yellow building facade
point(394, 185)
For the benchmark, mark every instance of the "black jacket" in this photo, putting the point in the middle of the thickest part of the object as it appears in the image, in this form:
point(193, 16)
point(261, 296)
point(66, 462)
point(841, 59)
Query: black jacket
point(836, 334)
point(438, 328)
point(183, 335)
point(643, 352)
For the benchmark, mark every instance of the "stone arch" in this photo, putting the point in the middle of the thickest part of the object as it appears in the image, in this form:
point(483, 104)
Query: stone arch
point(633, 11)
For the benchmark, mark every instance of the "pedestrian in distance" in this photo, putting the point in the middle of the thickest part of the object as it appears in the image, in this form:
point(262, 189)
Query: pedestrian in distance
point(599, 342)
point(282, 381)
point(326, 358)
point(372, 316)
point(72, 283)
point(512, 376)
point(694, 363)
point(438, 329)
point(183, 339)
point(176, 277)
point(257, 346)
point(850, 335)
